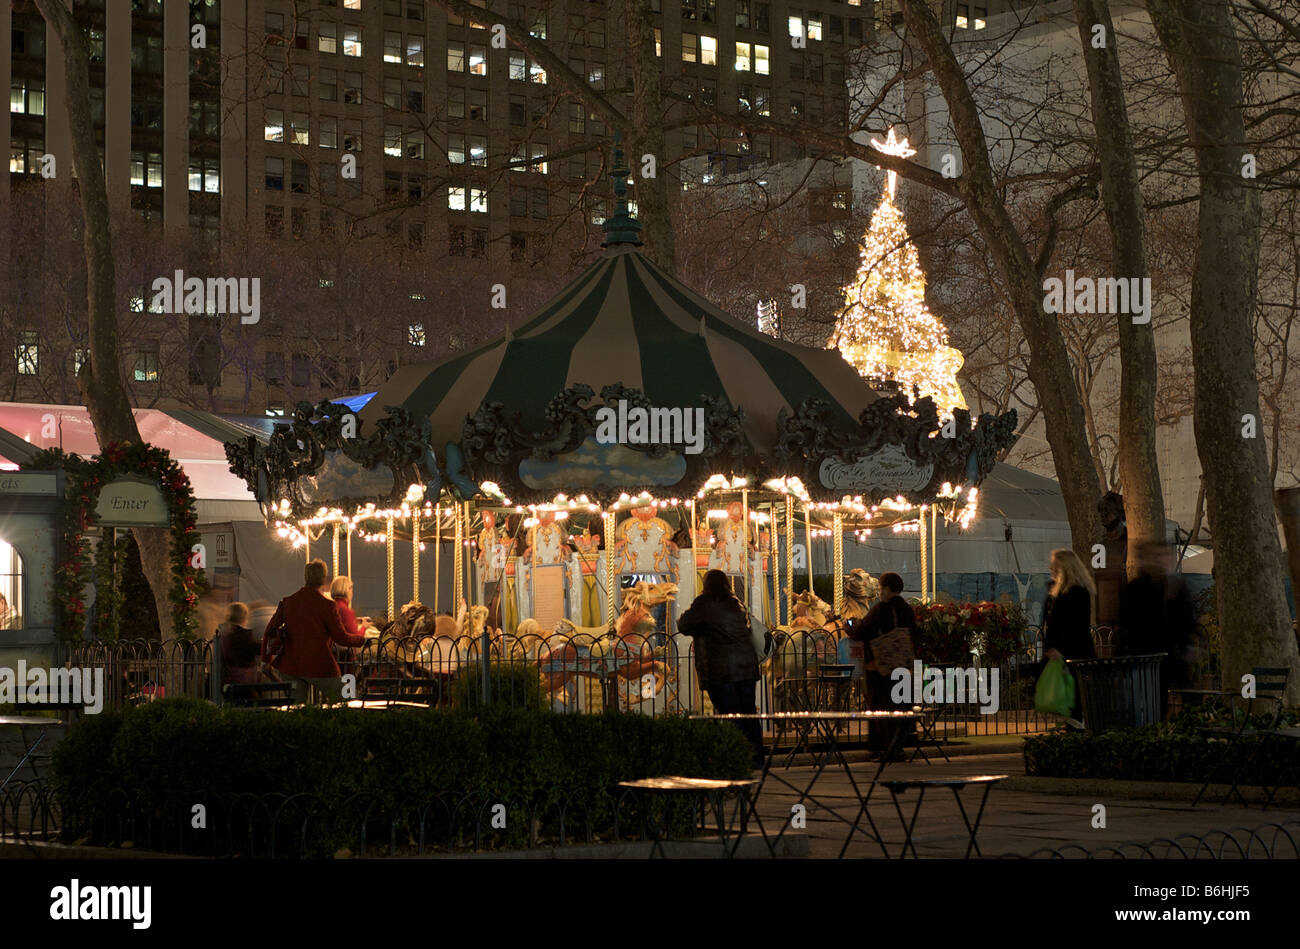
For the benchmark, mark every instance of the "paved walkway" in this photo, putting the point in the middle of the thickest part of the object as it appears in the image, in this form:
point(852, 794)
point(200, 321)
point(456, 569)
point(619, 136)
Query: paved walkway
point(1023, 814)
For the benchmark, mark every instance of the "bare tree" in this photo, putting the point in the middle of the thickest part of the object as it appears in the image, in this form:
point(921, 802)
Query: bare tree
point(1139, 469)
point(1201, 41)
point(103, 389)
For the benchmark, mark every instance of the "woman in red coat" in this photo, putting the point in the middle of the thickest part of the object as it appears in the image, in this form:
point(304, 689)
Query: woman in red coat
point(312, 622)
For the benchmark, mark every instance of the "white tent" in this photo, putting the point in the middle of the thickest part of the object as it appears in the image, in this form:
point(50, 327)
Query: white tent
point(194, 439)
point(1029, 505)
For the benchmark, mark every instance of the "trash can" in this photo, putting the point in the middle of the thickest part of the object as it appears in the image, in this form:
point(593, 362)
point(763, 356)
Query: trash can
point(1121, 692)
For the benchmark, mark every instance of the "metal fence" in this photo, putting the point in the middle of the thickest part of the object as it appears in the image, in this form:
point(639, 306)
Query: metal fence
point(295, 826)
point(1279, 841)
point(292, 826)
point(801, 670)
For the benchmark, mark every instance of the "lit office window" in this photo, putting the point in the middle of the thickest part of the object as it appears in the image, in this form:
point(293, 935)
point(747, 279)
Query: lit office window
point(146, 363)
point(392, 47)
point(28, 352)
point(273, 125)
point(709, 50)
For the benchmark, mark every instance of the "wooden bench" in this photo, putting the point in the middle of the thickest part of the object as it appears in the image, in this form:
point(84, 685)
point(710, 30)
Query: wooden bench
point(1270, 686)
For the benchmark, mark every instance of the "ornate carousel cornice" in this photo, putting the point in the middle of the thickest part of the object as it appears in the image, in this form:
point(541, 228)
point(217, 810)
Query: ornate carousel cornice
point(899, 449)
point(495, 443)
point(298, 450)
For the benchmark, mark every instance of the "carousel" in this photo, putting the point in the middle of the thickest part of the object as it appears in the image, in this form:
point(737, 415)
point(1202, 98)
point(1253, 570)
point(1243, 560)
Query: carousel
point(583, 470)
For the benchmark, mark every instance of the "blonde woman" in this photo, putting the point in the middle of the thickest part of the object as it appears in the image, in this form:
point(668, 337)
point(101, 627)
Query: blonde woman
point(341, 593)
point(1067, 627)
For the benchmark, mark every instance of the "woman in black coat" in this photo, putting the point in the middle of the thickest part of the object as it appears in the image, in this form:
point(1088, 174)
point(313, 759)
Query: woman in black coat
point(1067, 622)
point(725, 659)
point(892, 612)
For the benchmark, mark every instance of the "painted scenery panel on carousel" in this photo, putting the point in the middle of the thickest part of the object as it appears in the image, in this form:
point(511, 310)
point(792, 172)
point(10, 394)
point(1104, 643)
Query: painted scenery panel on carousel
point(341, 477)
point(644, 545)
point(889, 469)
point(593, 464)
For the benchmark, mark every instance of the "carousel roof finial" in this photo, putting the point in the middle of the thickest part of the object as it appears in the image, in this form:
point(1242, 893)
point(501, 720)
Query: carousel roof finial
point(620, 227)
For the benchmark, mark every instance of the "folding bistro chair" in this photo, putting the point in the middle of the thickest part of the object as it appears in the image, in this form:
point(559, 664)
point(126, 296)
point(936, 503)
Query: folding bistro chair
point(1270, 684)
point(927, 734)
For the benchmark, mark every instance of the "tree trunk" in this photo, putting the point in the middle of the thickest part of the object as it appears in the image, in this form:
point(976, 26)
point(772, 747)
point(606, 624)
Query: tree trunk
point(1049, 363)
point(1139, 466)
point(100, 379)
point(1200, 41)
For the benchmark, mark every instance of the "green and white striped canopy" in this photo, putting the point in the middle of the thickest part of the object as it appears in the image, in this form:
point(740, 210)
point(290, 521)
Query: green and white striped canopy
point(625, 321)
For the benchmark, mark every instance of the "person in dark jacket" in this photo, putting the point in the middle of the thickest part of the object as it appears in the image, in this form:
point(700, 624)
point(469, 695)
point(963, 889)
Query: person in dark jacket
point(1067, 618)
point(312, 621)
point(892, 612)
point(239, 649)
point(1156, 614)
point(725, 660)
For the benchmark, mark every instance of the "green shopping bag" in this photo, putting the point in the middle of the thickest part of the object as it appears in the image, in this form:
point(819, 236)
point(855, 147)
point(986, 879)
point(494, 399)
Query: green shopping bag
point(1054, 693)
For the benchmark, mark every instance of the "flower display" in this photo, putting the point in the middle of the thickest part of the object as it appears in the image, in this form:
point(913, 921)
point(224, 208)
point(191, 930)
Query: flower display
point(951, 632)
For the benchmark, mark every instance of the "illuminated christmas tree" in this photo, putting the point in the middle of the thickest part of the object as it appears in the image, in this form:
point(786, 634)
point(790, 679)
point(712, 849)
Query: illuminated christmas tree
point(885, 329)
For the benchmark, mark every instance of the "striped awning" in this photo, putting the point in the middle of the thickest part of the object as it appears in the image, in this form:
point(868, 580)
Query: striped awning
point(625, 321)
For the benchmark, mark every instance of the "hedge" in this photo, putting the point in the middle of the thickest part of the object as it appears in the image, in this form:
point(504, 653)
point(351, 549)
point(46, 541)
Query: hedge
point(1170, 751)
point(398, 761)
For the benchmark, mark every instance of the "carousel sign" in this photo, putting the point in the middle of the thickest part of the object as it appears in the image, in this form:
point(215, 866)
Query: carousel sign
point(128, 502)
point(888, 469)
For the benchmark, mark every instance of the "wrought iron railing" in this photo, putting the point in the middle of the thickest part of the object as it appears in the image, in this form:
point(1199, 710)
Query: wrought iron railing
point(1278, 841)
point(580, 673)
point(292, 826)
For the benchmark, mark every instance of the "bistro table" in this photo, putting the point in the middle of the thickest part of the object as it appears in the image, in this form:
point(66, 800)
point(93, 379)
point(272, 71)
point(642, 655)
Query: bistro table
point(715, 791)
point(827, 724)
point(956, 785)
point(24, 723)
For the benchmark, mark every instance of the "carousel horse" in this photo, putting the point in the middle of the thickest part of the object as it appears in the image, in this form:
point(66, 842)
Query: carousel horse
point(652, 594)
point(860, 588)
point(528, 637)
point(442, 648)
point(809, 639)
point(638, 658)
point(569, 629)
point(397, 651)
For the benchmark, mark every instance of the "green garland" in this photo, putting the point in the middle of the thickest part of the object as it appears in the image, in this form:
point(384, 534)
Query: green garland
point(84, 478)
